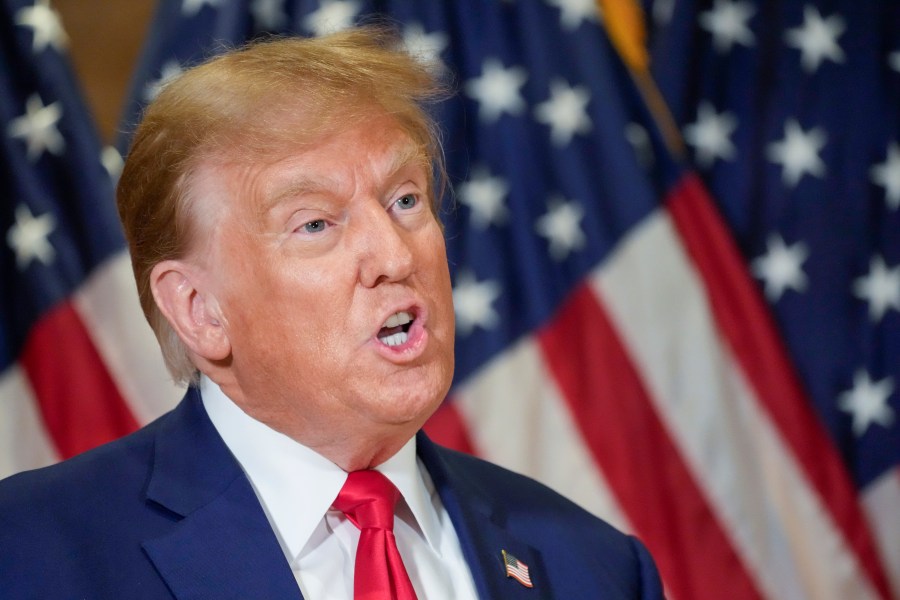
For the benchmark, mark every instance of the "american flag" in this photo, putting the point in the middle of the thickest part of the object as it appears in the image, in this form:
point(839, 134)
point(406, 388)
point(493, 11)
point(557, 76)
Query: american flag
point(516, 569)
point(712, 371)
point(791, 113)
point(77, 361)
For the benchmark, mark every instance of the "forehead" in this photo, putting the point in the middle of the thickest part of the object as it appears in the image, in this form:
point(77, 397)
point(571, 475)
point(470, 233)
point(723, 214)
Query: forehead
point(364, 154)
point(368, 153)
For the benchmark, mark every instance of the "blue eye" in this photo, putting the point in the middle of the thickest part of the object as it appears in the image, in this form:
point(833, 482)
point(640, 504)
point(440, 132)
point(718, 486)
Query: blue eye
point(406, 202)
point(314, 226)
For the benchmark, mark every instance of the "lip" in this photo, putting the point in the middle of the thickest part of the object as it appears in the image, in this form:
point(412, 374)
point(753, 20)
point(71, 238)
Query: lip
point(417, 341)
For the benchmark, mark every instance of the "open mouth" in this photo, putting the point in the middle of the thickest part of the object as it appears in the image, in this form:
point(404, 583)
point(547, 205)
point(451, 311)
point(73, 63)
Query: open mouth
point(395, 331)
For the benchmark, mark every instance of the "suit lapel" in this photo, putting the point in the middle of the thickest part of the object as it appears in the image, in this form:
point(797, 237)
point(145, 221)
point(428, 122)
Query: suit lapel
point(223, 547)
point(479, 525)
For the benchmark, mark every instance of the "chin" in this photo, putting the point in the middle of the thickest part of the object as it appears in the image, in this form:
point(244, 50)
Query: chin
point(410, 407)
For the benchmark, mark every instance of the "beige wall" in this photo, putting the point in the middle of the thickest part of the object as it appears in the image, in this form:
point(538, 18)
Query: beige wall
point(105, 37)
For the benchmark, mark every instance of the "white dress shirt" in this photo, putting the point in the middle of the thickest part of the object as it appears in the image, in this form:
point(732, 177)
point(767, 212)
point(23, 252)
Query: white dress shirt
point(296, 487)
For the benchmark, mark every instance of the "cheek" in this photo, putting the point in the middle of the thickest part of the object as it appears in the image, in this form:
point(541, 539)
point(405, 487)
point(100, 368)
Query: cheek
point(307, 317)
point(438, 273)
point(261, 308)
point(287, 341)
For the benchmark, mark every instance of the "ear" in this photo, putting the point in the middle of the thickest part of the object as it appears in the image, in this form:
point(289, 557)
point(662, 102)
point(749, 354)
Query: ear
point(191, 310)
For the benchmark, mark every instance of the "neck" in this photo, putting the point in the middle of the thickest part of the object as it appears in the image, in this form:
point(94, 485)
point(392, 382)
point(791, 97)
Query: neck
point(350, 443)
point(361, 457)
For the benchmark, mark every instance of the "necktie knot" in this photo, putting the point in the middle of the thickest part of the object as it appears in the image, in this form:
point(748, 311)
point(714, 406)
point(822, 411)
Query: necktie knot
point(368, 499)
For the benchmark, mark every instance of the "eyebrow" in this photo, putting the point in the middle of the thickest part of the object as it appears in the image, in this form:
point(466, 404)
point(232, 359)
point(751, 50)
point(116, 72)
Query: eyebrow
point(410, 154)
point(298, 187)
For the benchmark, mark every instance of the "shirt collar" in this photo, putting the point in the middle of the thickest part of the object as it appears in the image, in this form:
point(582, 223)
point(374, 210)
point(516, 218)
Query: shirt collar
point(410, 476)
point(297, 485)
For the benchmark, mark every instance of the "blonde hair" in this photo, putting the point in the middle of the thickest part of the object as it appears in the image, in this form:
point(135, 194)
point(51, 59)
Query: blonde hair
point(243, 106)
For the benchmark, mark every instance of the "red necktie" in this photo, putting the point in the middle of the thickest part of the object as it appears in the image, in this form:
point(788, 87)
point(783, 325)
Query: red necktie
point(368, 500)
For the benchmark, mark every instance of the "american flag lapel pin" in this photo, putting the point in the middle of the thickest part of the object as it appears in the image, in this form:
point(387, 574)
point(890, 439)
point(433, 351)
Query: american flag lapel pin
point(516, 569)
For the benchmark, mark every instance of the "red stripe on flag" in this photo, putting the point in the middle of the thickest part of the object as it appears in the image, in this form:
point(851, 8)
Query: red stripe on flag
point(632, 447)
point(78, 399)
point(447, 428)
point(744, 319)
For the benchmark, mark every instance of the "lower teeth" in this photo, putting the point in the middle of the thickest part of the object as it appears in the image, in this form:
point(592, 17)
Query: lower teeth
point(395, 339)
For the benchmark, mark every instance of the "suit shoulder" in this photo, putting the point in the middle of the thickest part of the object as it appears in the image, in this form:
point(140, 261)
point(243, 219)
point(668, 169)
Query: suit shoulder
point(572, 540)
point(58, 523)
point(520, 494)
point(497, 479)
point(113, 465)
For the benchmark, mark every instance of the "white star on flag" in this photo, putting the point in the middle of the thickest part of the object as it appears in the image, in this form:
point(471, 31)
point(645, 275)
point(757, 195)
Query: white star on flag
point(189, 8)
point(710, 135)
point(332, 16)
point(425, 47)
point(781, 267)
point(565, 112)
point(45, 24)
point(112, 162)
point(817, 38)
point(170, 70)
point(575, 12)
point(28, 237)
point(727, 22)
point(473, 303)
point(561, 225)
point(867, 402)
point(268, 15)
point(485, 196)
point(887, 175)
point(894, 60)
point(497, 90)
point(798, 152)
point(38, 128)
point(880, 288)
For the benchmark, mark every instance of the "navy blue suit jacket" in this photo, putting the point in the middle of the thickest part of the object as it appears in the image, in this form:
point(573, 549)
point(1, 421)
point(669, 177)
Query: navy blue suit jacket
point(167, 512)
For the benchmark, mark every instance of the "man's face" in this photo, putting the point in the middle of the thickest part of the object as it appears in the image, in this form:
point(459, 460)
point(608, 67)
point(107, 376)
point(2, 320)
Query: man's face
point(329, 270)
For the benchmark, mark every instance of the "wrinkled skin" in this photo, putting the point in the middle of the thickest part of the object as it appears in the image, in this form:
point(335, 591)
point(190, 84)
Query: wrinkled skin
point(303, 260)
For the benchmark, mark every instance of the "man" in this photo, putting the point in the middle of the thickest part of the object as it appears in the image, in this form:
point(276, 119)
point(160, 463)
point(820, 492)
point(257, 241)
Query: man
point(280, 205)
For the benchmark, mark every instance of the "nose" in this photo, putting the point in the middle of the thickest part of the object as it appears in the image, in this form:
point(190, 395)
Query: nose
point(382, 247)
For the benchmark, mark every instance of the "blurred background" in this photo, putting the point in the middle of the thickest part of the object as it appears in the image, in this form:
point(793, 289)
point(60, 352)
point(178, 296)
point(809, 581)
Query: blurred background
point(105, 40)
point(674, 240)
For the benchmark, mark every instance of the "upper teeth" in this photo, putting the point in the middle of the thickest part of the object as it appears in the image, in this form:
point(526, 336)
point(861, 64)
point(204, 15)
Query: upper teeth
point(398, 319)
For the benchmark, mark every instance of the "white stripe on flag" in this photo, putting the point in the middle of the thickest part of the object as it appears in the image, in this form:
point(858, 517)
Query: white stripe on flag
point(24, 443)
point(755, 486)
point(517, 418)
point(881, 501)
point(108, 304)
